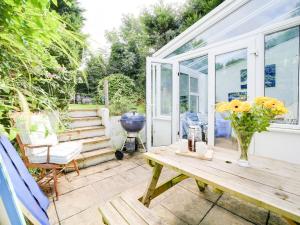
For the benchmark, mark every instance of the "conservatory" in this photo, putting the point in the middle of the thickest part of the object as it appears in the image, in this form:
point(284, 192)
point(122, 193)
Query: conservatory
point(240, 50)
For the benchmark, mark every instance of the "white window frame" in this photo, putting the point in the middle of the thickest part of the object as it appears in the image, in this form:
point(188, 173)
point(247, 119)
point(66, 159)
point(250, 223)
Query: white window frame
point(261, 70)
point(257, 49)
point(149, 106)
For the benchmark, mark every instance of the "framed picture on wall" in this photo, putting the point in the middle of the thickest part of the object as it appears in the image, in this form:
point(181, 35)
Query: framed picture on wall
point(243, 74)
point(237, 95)
point(270, 75)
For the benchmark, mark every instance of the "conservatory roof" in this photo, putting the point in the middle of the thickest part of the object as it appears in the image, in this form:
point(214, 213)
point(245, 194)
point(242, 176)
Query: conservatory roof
point(231, 18)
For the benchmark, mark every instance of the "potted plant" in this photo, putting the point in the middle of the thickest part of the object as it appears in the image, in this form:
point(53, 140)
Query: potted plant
point(247, 118)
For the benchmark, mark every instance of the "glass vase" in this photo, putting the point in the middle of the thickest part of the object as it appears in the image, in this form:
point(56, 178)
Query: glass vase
point(244, 140)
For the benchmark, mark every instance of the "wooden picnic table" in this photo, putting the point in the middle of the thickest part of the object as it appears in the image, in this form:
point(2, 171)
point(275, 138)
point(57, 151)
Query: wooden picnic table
point(270, 184)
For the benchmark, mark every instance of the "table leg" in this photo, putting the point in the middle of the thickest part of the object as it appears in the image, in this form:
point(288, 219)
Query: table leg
point(201, 185)
point(151, 186)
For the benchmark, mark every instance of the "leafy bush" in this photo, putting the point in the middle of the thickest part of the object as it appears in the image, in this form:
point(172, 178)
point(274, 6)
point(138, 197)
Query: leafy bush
point(118, 83)
point(121, 104)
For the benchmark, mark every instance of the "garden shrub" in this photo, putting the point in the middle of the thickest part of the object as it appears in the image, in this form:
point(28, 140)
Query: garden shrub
point(121, 104)
point(120, 83)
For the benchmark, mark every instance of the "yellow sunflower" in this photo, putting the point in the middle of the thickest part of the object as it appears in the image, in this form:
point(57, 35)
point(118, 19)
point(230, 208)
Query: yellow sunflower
point(223, 107)
point(272, 103)
point(245, 107)
point(261, 100)
point(235, 105)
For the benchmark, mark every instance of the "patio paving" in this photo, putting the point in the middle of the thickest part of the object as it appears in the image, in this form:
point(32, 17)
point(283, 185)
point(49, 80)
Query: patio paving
point(182, 204)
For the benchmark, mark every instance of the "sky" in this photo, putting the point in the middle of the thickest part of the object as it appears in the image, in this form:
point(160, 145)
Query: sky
point(105, 15)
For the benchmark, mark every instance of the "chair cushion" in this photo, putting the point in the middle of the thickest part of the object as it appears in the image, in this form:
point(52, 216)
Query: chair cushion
point(36, 130)
point(62, 153)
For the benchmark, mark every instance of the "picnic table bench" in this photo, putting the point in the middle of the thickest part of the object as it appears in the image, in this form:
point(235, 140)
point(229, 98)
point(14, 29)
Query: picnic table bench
point(270, 184)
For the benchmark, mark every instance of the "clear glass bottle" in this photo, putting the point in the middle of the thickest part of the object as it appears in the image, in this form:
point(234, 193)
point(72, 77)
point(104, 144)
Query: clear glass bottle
point(191, 138)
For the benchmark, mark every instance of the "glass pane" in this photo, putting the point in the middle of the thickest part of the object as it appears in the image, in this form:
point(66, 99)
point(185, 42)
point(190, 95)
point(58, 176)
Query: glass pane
point(193, 95)
point(231, 83)
point(166, 90)
point(194, 100)
point(263, 12)
point(282, 71)
point(194, 85)
point(161, 104)
point(184, 92)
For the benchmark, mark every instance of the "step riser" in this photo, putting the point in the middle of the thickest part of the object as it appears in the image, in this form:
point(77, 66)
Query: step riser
point(93, 146)
point(84, 123)
point(95, 160)
point(92, 161)
point(81, 135)
point(80, 114)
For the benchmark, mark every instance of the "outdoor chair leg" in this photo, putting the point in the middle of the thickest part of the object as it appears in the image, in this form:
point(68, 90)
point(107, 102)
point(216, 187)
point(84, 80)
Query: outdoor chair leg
point(76, 167)
point(55, 183)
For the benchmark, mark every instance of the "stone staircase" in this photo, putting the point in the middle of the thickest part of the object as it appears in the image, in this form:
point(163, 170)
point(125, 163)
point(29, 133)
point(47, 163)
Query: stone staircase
point(87, 126)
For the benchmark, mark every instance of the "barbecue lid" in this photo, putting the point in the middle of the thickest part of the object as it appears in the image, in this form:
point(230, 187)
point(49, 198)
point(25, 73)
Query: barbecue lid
point(132, 116)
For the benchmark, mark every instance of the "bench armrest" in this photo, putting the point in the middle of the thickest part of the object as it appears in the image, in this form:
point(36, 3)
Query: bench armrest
point(41, 146)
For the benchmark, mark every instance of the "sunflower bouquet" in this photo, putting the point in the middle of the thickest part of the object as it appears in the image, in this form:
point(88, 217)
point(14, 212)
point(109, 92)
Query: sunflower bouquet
point(247, 118)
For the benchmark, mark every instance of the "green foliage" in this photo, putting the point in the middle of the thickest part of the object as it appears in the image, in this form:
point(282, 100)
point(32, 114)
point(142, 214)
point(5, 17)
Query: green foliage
point(121, 104)
point(138, 37)
point(29, 34)
point(161, 25)
point(195, 10)
point(122, 94)
point(118, 83)
point(125, 59)
point(94, 72)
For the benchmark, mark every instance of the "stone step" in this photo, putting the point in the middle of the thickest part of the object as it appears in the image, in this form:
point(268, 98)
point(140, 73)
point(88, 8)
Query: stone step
point(83, 113)
point(82, 133)
point(94, 143)
point(77, 122)
point(87, 159)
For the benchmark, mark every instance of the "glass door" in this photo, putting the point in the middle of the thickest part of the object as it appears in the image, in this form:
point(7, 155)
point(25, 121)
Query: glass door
point(161, 80)
point(233, 69)
point(193, 95)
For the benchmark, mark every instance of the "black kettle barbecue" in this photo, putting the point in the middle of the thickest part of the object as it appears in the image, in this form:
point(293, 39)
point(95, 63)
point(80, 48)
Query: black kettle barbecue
point(132, 123)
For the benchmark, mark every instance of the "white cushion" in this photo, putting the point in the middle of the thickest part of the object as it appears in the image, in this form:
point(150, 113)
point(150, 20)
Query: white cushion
point(36, 130)
point(62, 153)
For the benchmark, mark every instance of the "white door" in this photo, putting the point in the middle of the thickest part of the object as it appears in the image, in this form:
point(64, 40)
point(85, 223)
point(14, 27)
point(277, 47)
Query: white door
point(162, 80)
point(232, 76)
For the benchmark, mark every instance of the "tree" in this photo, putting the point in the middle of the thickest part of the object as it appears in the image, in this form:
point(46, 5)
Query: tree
point(125, 59)
point(195, 10)
point(161, 25)
point(71, 14)
point(128, 49)
point(95, 71)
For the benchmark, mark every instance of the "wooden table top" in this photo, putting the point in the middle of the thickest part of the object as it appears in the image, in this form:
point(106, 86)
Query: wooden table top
point(268, 183)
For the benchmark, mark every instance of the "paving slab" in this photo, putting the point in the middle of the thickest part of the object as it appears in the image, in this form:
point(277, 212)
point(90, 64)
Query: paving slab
point(243, 209)
point(110, 187)
point(137, 175)
point(208, 194)
point(276, 220)
point(187, 206)
point(76, 201)
point(90, 216)
point(53, 219)
point(166, 216)
point(68, 184)
point(219, 216)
